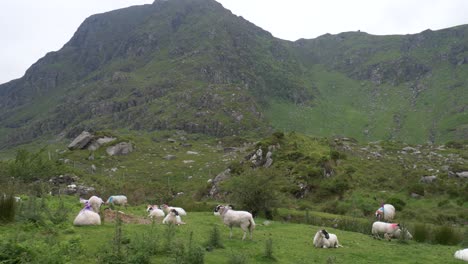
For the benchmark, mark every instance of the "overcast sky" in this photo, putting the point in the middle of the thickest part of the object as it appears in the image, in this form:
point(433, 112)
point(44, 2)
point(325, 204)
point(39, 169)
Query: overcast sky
point(31, 28)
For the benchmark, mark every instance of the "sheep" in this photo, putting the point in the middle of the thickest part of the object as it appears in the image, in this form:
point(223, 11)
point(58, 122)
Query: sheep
point(117, 200)
point(405, 235)
point(95, 203)
point(87, 217)
point(461, 254)
point(241, 219)
point(323, 239)
point(173, 217)
point(154, 211)
point(386, 212)
point(166, 208)
point(388, 229)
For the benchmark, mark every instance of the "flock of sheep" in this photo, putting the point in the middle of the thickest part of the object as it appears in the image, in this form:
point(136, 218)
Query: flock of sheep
point(89, 215)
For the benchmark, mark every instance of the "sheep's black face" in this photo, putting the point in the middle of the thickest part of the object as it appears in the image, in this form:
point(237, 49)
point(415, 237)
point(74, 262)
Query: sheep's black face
point(174, 211)
point(217, 208)
point(325, 233)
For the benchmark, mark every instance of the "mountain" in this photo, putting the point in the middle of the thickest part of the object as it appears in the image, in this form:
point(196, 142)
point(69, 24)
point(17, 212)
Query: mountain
point(194, 66)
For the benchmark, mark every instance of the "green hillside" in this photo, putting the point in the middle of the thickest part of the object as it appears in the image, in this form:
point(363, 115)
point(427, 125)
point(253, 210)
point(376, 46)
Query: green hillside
point(194, 66)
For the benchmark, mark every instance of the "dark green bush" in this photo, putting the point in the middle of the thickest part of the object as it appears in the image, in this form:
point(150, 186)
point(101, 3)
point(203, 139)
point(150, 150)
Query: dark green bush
point(7, 208)
point(446, 235)
point(397, 203)
point(421, 233)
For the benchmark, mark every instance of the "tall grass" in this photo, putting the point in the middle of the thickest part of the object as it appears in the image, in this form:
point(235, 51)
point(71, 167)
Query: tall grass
point(7, 209)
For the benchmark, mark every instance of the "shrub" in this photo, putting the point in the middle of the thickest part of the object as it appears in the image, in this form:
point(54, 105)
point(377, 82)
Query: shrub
point(421, 233)
point(398, 203)
point(446, 235)
point(214, 241)
point(256, 191)
point(237, 259)
point(269, 249)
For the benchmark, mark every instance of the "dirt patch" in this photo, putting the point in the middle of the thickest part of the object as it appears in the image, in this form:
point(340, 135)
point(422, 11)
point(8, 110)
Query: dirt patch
point(111, 215)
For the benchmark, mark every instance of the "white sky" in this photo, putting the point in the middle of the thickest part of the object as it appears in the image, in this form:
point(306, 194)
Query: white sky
point(31, 28)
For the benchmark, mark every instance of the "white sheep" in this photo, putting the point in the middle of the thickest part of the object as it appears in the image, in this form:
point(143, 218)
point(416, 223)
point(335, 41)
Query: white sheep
point(403, 233)
point(232, 218)
point(386, 213)
point(87, 217)
point(173, 217)
point(95, 203)
point(154, 211)
point(117, 200)
point(166, 208)
point(461, 254)
point(388, 229)
point(323, 239)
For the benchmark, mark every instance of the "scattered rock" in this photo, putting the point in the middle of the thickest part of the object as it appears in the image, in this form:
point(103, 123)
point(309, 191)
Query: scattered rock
point(170, 157)
point(123, 148)
point(81, 141)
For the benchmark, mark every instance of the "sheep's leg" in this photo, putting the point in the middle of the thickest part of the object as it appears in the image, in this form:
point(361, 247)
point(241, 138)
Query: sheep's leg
point(230, 233)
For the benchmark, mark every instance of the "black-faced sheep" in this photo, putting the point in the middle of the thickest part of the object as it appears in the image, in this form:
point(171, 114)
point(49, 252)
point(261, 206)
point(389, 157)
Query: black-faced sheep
point(155, 212)
point(173, 217)
point(232, 218)
point(323, 239)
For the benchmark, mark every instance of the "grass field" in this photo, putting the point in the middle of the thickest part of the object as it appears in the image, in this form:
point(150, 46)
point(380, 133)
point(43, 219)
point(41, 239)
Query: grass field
point(291, 243)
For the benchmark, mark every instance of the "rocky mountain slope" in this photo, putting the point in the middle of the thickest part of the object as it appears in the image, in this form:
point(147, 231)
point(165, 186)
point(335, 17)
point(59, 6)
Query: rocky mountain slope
point(194, 66)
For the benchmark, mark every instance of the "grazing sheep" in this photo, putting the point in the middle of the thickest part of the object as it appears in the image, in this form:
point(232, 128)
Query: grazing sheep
point(95, 203)
point(166, 208)
point(154, 211)
point(388, 229)
point(461, 254)
point(323, 239)
point(117, 200)
point(87, 217)
point(173, 217)
point(241, 219)
point(402, 233)
point(386, 213)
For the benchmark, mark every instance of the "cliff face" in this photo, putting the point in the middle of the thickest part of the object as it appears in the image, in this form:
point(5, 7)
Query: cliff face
point(193, 65)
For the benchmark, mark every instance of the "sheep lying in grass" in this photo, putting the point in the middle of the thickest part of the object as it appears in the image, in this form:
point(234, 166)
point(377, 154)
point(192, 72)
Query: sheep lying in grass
point(232, 218)
point(323, 239)
point(173, 217)
point(95, 203)
point(87, 217)
point(385, 213)
point(461, 254)
point(154, 211)
point(117, 200)
point(166, 208)
point(389, 230)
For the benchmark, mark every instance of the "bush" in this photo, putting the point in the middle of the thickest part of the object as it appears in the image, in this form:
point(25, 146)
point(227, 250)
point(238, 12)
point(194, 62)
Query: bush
point(397, 203)
point(214, 241)
point(269, 249)
point(256, 191)
point(446, 235)
point(33, 166)
point(421, 233)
